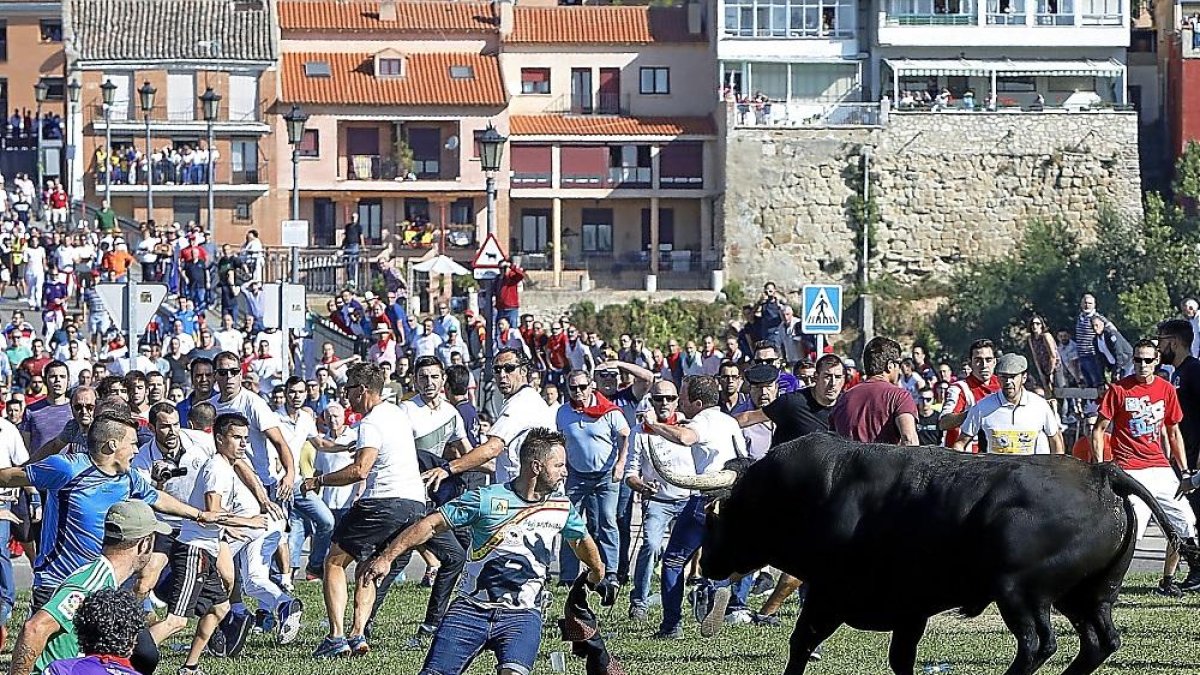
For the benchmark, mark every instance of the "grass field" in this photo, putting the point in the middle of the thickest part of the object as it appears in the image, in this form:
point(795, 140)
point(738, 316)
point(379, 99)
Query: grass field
point(1161, 637)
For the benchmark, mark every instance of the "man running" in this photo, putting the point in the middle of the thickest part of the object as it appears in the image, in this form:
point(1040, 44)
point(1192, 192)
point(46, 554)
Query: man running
point(1014, 421)
point(513, 527)
point(966, 392)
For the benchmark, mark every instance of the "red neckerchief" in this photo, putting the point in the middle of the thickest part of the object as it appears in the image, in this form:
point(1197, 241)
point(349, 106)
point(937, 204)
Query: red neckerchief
point(670, 421)
point(118, 660)
point(599, 409)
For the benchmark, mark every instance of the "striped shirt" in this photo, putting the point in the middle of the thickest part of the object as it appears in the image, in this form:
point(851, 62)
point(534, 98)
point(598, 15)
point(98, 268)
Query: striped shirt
point(1085, 336)
point(66, 601)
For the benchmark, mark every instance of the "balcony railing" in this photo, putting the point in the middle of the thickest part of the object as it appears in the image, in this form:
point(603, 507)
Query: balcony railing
point(602, 103)
point(930, 20)
point(132, 113)
point(804, 113)
point(526, 180)
point(1189, 43)
point(629, 176)
point(1047, 19)
point(168, 174)
point(388, 167)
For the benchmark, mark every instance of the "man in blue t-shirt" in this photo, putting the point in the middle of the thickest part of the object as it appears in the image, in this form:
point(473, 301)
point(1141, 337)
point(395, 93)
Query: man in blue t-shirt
point(503, 587)
point(81, 487)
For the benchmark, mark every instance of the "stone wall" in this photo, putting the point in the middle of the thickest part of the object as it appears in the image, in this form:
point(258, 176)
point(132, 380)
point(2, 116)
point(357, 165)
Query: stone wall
point(949, 187)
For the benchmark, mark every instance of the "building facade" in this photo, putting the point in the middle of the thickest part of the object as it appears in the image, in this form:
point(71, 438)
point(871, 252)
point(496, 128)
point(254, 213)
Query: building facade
point(31, 52)
point(612, 143)
point(180, 48)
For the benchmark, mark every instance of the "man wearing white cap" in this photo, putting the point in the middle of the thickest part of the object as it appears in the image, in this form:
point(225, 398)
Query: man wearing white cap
point(1015, 421)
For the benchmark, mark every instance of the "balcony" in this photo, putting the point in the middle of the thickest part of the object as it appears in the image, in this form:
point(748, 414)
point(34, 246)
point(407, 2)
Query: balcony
point(1189, 43)
point(182, 180)
point(602, 103)
point(391, 167)
point(124, 118)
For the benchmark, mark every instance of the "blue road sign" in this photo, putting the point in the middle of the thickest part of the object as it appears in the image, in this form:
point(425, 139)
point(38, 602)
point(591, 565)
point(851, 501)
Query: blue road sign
point(822, 310)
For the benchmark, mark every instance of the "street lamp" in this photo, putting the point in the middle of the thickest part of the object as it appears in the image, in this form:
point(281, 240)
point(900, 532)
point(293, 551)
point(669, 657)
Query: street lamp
point(40, 91)
point(146, 97)
point(295, 119)
point(73, 89)
point(210, 103)
point(108, 93)
point(491, 149)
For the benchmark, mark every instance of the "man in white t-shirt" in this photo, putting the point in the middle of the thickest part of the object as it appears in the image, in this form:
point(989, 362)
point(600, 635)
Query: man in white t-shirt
point(393, 499)
point(524, 409)
point(438, 430)
point(308, 512)
point(12, 453)
point(229, 338)
point(196, 586)
point(1015, 421)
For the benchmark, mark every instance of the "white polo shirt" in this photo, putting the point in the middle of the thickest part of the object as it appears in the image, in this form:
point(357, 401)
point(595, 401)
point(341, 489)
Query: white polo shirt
point(721, 440)
point(1021, 429)
point(525, 410)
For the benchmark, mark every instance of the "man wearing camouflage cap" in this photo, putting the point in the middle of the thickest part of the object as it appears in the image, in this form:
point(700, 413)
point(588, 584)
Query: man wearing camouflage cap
point(1014, 421)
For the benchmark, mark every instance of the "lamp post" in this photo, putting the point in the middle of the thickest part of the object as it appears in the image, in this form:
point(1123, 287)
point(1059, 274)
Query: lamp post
point(295, 119)
point(40, 91)
point(210, 102)
point(491, 149)
point(73, 89)
point(108, 93)
point(146, 98)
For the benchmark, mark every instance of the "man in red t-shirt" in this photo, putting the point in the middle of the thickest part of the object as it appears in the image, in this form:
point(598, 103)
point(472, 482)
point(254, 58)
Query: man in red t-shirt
point(1140, 408)
point(877, 410)
point(965, 393)
point(556, 355)
point(508, 296)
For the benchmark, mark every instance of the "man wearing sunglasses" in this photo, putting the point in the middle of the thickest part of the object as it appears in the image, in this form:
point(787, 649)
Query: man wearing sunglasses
point(523, 410)
point(767, 353)
point(1142, 409)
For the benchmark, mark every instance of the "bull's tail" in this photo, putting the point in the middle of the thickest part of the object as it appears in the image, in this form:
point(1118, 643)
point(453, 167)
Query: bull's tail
point(1125, 486)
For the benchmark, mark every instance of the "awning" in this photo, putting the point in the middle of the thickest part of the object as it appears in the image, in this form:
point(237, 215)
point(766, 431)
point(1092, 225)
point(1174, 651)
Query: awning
point(1007, 67)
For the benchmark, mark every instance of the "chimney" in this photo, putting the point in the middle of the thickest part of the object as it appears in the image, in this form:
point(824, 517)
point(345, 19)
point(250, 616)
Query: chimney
point(695, 23)
point(387, 10)
point(504, 13)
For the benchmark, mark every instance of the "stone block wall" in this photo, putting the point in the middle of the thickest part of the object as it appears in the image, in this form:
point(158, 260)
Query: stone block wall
point(949, 187)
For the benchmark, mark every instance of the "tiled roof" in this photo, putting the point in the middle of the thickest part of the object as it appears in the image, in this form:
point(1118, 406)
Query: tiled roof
point(585, 125)
point(427, 81)
point(423, 17)
point(170, 30)
point(607, 24)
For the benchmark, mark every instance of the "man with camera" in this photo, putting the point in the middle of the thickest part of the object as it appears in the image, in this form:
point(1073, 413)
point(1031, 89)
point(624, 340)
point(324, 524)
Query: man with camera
point(171, 461)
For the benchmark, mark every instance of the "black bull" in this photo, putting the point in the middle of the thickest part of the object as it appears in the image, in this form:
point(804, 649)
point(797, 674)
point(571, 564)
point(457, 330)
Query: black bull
point(887, 537)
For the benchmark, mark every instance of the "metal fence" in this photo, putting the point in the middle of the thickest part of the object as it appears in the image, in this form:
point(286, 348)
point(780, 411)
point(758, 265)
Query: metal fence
point(323, 271)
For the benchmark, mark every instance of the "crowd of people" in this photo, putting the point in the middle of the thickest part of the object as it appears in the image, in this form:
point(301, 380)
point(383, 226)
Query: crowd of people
point(184, 164)
point(200, 471)
point(23, 125)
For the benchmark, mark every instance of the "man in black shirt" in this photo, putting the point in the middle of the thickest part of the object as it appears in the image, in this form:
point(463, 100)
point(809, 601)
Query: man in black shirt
point(1174, 346)
point(352, 239)
point(803, 412)
point(927, 418)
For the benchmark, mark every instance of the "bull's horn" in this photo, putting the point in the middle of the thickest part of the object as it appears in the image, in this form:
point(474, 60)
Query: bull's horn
point(705, 482)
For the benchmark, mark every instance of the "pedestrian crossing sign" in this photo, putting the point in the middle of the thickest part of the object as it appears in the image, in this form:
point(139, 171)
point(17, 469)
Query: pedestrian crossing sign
point(822, 310)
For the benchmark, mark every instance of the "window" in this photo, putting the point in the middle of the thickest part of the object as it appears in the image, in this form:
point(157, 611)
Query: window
point(656, 80)
point(793, 18)
point(462, 73)
point(535, 80)
point(389, 68)
point(597, 230)
point(317, 69)
point(476, 148)
point(243, 98)
point(1006, 12)
point(185, 209)
point(534, 226)
point(3, 40)
point(681, 165)
point(57, 90)
point(629, 165)
point(241, 211)
point(1144, 41)
point(666, 229)
point(462, 211)
point(243, 161)
point(310, 144)
point(1101, 12)
point(416, 210)
point(1008, 84)
point(181, 97)
point(51, 30)
point(1055, 12)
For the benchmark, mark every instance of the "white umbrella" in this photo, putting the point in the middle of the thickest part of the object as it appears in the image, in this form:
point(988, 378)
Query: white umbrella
point(441, 265)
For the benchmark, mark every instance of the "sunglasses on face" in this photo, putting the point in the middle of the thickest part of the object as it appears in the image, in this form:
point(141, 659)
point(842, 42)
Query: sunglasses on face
point(578, 387)
point(664, 399)
point(504, 368)
point(1145, 360)
point(227, 372)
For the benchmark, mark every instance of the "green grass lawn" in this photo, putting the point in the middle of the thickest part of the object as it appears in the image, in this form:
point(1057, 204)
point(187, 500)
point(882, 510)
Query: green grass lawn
point(1161, 636)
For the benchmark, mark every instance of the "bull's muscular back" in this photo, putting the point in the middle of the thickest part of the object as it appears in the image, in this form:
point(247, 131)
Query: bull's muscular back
point(922, 530)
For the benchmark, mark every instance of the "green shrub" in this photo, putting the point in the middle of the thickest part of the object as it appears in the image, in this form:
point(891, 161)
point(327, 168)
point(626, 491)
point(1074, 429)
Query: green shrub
point(657, 322)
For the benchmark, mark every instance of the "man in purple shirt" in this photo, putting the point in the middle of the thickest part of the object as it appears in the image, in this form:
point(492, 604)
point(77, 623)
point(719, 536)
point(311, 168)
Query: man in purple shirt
point(45, 419)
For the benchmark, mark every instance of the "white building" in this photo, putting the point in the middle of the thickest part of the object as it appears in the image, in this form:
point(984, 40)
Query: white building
point(1066, 51)
point(799, 58)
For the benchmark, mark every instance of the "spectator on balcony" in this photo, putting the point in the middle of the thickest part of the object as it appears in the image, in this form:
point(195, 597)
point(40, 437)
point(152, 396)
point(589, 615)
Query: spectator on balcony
point(508, 292)
point(252, 255)
point(352, 239)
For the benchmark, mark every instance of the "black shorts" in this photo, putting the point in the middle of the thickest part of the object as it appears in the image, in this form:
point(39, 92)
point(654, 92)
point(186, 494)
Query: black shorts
point(163, 543)
point(196, 586)
point(371, 523)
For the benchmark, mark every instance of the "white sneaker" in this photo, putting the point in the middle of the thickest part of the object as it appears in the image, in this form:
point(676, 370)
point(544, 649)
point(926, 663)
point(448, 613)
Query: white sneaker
point(738, 617)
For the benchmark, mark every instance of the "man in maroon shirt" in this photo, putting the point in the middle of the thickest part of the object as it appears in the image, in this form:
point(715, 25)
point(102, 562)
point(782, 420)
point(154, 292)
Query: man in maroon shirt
point(508, 296)
point(877, 410)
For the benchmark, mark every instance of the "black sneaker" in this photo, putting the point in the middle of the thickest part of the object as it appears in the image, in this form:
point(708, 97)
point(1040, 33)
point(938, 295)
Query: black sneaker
point(763, 585)
point(637, 614)
point(1167, 587)
point(1192, 582)
point(768, 620)
point(216, 644)
point(675, 633)
point(236, 633)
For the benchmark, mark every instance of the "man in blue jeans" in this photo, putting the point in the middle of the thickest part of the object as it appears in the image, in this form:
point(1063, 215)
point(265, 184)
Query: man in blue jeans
point(661, 502)
point(503, 590)
point(715, 438)
point(597, 437)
